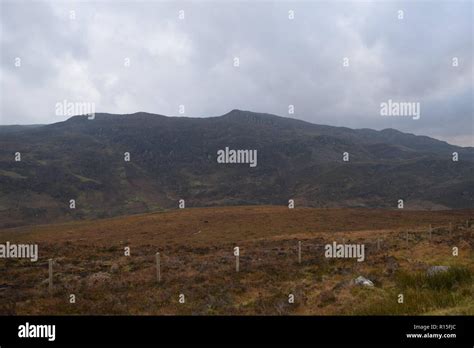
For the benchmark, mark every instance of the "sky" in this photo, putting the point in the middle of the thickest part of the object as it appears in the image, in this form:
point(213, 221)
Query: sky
point(335, 62)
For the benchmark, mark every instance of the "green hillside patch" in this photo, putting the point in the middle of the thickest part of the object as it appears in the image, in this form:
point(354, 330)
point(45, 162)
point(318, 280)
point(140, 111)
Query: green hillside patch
point(84, 179)
point(11, 174)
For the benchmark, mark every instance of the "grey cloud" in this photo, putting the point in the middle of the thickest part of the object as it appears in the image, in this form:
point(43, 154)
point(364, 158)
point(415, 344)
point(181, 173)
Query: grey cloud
point(283, 62)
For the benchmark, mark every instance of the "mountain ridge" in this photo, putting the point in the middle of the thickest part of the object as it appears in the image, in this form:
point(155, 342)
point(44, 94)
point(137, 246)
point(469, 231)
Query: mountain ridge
point(233, 113)
point(174, 158)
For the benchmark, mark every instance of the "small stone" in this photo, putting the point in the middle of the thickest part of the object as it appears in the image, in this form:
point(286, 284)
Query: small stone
point(363, 282)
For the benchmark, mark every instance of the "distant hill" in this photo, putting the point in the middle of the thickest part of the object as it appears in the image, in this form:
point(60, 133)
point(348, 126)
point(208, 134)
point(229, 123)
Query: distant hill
point(174, 158)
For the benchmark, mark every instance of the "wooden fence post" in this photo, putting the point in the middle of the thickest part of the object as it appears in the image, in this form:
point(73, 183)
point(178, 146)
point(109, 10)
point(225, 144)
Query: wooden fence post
point(299, 251)
point(50, 266)
point(158, 267)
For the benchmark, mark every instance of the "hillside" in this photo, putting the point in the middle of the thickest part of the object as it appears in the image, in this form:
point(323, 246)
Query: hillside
point(174, 158)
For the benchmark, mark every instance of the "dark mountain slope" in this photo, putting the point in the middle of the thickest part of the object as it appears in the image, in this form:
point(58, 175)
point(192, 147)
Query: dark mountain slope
point(175, 157)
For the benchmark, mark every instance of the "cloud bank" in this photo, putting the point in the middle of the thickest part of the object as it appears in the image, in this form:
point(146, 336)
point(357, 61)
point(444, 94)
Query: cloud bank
point(155, 56)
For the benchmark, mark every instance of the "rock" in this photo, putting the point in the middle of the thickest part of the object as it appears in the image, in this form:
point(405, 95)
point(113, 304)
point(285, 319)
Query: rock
point(436, 269)
point(98, 279)
point(363, 282)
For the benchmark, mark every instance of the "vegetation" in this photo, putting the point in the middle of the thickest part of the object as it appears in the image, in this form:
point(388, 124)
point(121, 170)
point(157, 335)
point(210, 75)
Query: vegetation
point(175, 157)
point(196, 249)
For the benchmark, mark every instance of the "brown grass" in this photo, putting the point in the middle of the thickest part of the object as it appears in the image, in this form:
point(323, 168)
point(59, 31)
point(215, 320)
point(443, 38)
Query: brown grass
point(196, 248)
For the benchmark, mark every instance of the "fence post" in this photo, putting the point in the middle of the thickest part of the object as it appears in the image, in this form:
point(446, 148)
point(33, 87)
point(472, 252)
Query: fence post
point(158, 268)
point(299, 251)
point(236, 254)
point(50, 264)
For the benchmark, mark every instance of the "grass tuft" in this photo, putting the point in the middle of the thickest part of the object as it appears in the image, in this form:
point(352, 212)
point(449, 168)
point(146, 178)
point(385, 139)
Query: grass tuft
point(440, 281)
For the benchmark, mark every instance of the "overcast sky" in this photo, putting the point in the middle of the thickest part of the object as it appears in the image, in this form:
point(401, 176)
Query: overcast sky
point(283, 61)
